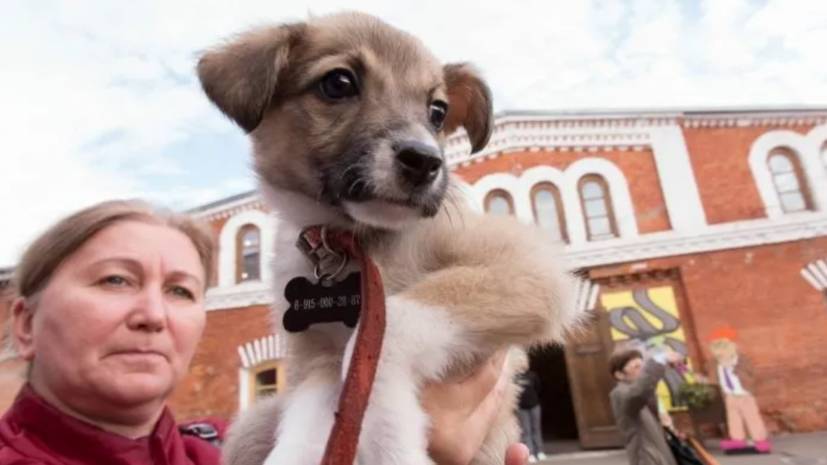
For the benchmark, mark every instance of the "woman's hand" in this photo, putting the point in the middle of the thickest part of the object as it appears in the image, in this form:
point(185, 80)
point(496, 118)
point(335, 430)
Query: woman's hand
point(462, 412)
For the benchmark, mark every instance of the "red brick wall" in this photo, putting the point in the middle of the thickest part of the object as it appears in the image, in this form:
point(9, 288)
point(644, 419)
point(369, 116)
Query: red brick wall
point(646, 193)
point(720, 160)
point(11, 371)
point(211, 388)
point(780, 319)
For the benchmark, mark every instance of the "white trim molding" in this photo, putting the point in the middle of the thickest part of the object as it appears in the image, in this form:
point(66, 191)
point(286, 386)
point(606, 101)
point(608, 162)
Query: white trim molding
point(266, 225)
point(227, 207)
point(677, 179)
point(807, 149)
point(253, 353)
point(529, 132)
point(724, 236)
point(500, 181)
point(566, 182)
point(264, 349)
point(240, 295)
point(815, 273)
point(818, 137)
point(585, 297)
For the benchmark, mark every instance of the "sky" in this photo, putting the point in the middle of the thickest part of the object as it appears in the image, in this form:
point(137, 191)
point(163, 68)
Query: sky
point(101, 101)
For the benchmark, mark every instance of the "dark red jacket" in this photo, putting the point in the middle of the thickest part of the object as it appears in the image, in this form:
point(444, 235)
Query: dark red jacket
point(32, 432)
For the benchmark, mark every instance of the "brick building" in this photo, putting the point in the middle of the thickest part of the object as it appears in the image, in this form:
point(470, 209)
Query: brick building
point(685, 221)
point(688, 221)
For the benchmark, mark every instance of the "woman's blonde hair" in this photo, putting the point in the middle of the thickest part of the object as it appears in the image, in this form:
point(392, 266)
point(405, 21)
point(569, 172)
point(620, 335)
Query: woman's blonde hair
point(50, 249)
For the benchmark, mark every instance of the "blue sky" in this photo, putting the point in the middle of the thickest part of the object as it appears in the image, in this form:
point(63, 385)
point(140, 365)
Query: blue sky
point(101, 100)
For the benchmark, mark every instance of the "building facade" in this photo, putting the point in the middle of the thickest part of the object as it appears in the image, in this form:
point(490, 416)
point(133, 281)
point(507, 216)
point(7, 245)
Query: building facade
point(685, 222)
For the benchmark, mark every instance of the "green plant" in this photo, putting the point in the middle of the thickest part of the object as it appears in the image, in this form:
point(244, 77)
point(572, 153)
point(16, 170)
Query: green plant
point(696, 396)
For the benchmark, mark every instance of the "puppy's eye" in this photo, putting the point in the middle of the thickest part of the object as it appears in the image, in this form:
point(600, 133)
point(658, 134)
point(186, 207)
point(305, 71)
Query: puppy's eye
point(338, 84)
point(438, 111)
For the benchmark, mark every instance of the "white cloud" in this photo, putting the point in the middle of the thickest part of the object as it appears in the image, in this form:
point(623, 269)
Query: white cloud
point(100, 99)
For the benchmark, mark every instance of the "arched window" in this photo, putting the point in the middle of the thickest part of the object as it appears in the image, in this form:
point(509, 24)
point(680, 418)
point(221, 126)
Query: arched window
point(597, 208)
point(498, 202)
point(268, 378)
point(788, 180)
point(548, 210)
point(248, 254)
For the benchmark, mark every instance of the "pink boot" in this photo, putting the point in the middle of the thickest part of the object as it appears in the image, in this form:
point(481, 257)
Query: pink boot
point(728, 445)
point(764, 446)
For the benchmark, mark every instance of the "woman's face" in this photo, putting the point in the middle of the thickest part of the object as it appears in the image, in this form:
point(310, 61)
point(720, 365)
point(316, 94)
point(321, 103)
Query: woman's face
point(118, 322)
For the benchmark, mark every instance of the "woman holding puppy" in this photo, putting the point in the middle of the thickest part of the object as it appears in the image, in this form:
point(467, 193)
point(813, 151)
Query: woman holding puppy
point(109, 313)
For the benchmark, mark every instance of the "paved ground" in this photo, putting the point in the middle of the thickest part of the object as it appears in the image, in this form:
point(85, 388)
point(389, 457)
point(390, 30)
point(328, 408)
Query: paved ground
point(792, 449)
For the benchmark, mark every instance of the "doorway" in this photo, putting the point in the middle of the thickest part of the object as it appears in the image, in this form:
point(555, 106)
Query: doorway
point(558, 418)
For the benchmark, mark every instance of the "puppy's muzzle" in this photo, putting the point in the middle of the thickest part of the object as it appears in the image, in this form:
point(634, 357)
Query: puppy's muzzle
point(418, 164)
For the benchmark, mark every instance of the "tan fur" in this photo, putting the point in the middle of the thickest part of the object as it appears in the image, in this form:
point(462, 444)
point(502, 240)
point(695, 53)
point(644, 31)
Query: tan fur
point(501, 281)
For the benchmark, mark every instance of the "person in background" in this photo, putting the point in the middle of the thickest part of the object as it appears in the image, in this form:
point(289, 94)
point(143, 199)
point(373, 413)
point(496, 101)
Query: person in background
point(634, 405)
point(734, 374)
point(110, 310)
point(529, 413)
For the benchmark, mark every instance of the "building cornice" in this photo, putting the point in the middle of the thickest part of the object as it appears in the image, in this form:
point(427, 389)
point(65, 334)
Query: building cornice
point(754, 120)
point(594, 131)
point(238, 296)
point(224, 210)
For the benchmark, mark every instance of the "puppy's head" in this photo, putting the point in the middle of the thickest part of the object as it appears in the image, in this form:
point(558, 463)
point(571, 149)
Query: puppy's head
point(349, 110)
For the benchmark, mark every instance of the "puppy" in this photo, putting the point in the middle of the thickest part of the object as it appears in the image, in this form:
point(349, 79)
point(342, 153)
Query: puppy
point(348, 117)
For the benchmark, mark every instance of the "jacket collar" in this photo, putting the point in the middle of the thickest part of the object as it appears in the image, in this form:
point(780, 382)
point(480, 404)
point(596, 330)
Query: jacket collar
point(38, 430)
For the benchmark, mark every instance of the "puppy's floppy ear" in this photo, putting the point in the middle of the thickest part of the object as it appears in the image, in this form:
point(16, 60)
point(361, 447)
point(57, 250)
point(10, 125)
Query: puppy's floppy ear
point(469, 104)
point(241, 77)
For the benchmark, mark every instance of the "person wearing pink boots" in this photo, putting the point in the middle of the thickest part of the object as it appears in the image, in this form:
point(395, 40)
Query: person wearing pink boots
point(735, 378)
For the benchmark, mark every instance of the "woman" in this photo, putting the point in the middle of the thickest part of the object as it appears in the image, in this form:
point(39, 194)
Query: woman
point(109, 313)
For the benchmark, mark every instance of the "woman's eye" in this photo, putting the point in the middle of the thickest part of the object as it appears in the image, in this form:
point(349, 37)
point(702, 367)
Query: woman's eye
point(114, 280)
point(179, 291)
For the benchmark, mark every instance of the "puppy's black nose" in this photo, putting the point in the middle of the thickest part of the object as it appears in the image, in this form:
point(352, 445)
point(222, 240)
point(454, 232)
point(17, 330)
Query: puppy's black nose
point(418, 163)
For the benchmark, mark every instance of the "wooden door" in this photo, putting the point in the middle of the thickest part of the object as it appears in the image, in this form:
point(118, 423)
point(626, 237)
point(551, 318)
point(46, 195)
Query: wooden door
point(587, 358)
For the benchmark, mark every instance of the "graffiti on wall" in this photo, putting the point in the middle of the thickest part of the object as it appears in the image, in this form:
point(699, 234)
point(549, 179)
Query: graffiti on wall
point(649, 316)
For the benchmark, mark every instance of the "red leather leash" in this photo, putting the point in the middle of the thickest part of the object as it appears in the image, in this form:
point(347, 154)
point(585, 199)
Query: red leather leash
point(344, 437)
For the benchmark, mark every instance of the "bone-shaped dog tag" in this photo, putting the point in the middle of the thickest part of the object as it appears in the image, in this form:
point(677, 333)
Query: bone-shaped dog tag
point(312, 303)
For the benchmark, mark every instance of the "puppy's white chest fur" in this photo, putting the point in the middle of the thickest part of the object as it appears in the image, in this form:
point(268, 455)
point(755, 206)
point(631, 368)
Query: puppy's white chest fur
point(419, 342)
